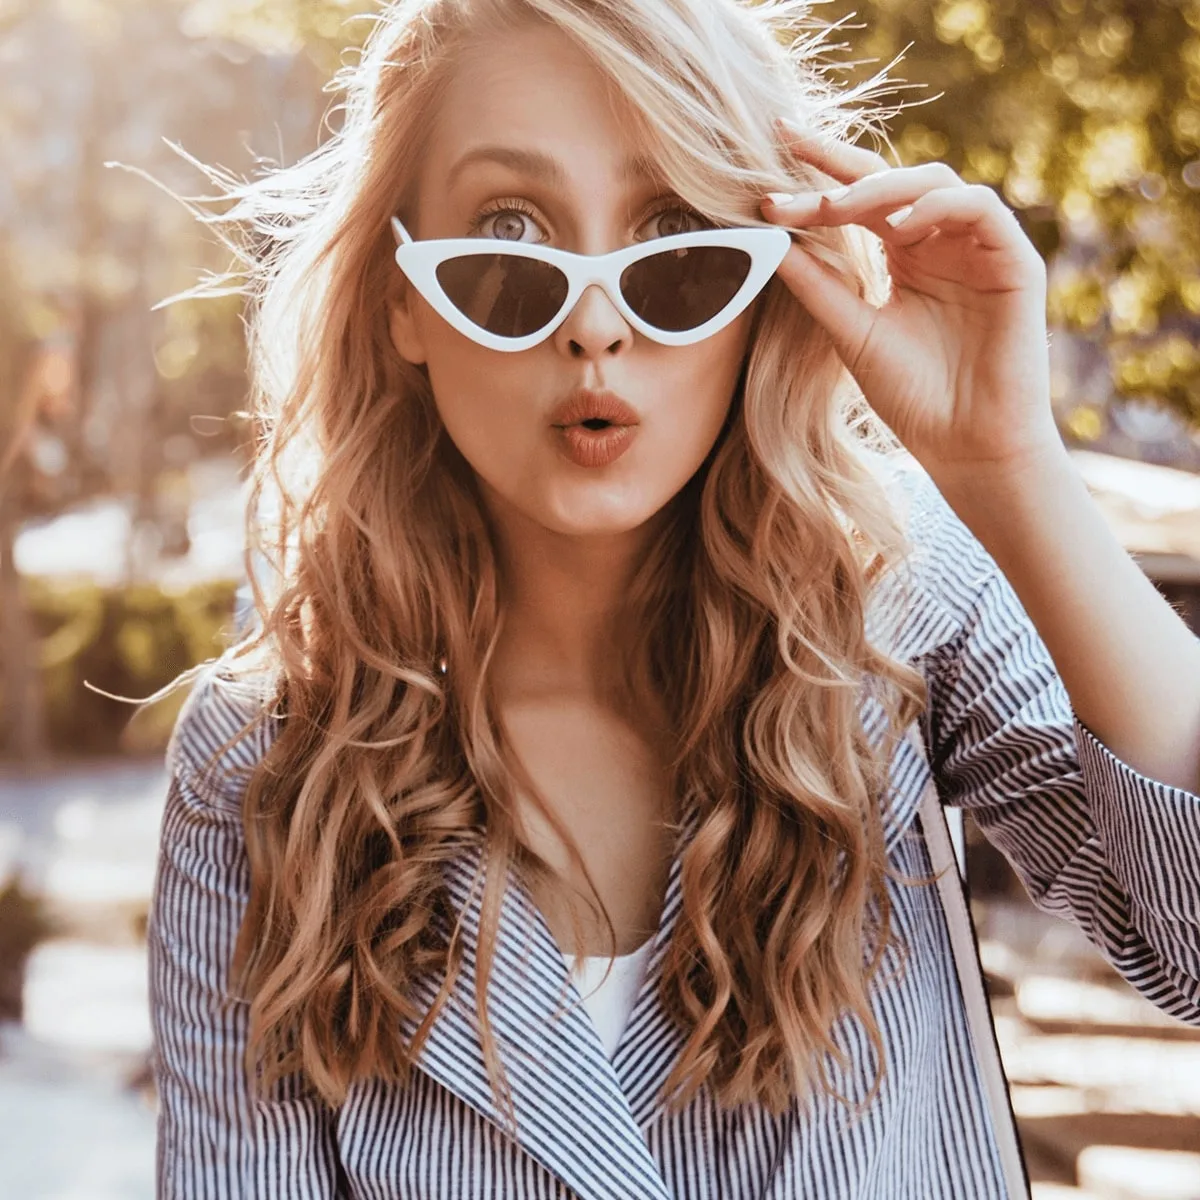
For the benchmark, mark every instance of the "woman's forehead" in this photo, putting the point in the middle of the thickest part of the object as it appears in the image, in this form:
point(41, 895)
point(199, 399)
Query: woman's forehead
point(535, 91)
point(544, 166)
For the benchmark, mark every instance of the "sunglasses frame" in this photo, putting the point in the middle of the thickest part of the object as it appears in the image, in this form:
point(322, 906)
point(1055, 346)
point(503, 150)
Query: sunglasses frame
point(766, 246)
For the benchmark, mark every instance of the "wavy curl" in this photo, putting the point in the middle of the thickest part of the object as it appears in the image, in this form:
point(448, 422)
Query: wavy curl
point(751, 607)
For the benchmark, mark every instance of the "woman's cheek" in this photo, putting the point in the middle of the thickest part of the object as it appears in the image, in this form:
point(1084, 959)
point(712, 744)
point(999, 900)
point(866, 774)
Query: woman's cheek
point(482, 434)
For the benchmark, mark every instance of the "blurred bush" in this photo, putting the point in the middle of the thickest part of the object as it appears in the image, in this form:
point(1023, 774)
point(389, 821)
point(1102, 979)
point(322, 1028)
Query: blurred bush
point(23, 923)
point(129, 641)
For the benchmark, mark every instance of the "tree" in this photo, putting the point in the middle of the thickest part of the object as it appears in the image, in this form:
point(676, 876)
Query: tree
point(22, 724)
point(1085, 114)
point(87, 252)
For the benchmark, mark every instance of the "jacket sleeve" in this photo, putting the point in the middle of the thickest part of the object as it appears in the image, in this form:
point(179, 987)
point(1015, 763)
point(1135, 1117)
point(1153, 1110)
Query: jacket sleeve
point(215, 1140)
point(1093, 840)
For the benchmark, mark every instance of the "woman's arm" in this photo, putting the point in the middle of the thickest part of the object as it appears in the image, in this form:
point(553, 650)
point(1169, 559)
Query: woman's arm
point(1095, 840)
point(215, 1141)
point(1129, 663)
point(955, 361)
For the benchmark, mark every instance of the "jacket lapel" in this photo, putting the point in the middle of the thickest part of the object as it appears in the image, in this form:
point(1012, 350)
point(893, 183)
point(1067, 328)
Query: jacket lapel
point(911, 626)
point(572, 1114)
point(651, 1042)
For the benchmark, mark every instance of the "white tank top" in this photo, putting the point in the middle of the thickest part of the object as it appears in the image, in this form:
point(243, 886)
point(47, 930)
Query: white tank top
point(610, 1003)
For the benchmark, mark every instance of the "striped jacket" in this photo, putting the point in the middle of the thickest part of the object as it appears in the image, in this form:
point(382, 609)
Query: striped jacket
point(1094, 841)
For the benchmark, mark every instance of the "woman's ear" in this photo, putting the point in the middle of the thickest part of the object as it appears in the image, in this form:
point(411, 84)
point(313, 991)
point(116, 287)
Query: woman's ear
point(403, 329)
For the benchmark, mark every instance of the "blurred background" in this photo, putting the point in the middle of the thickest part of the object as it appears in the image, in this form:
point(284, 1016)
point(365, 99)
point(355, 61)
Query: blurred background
point(123, 454)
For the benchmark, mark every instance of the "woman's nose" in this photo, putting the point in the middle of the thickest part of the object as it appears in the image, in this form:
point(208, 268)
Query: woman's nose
point(594, 326)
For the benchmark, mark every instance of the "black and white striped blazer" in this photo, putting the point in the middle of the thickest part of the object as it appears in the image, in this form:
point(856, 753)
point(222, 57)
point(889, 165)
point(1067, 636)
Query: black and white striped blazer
point(1094, 841)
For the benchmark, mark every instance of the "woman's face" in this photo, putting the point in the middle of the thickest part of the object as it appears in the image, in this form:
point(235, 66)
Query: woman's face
point(535, 92)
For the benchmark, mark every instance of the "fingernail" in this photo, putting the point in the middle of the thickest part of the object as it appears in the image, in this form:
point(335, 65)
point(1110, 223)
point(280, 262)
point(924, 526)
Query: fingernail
point(836, 193)
point(901, 214)
point(778, 198)
point(807, 130)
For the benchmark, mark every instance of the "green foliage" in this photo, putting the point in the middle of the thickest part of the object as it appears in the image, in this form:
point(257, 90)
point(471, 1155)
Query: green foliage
point(1084, 114)
point(126, 641)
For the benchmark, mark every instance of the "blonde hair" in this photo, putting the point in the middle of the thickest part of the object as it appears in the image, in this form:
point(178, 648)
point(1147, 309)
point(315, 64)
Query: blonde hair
point(750, 608)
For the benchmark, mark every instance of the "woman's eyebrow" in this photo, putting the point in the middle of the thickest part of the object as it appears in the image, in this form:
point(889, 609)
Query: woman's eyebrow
point(541, 166)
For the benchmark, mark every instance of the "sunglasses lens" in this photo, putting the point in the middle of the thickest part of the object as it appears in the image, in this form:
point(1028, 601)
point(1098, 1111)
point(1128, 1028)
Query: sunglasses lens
point(505, 294)
point(681, 289)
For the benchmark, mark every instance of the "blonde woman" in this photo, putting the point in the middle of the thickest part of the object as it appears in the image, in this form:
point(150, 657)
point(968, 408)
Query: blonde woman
point(558, 831)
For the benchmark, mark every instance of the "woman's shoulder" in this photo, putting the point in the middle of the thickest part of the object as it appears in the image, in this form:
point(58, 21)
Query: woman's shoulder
point(933, 590)
point(223, 730)
point(924, 511)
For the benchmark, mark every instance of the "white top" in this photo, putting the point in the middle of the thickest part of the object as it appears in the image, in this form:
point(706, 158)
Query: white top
point(610, 1002)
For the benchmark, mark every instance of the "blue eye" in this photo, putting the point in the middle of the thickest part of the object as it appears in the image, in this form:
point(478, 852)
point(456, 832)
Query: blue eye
point(684, 219)
point(499, 208)
point(687, 219)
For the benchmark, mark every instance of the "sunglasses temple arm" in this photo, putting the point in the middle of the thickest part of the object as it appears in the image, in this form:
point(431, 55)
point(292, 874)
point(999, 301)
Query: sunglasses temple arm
point(400, 233)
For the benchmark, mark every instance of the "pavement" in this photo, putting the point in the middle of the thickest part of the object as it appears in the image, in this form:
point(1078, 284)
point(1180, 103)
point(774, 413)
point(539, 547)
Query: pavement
point(1105, 1086)
point(76, 1103)
point(86, 833)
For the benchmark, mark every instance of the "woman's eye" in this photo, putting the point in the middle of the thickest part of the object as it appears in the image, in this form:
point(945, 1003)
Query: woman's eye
point(675, 219)
point(511, 220)
point(505, 223)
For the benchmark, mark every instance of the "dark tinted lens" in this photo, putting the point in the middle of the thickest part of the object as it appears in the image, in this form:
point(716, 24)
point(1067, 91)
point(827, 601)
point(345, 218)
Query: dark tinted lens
point(680, 289)
point(504, 293)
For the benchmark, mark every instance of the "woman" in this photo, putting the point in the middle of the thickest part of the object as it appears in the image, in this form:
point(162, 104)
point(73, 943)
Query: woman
point(611, 630)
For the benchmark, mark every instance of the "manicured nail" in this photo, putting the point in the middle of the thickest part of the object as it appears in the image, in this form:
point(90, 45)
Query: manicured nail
point(901, 214)
point(837, 193)
point(778, 198)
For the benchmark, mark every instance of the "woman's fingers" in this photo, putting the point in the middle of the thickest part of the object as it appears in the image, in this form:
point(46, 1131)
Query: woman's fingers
point(905, 205)
point(841, 160)
point(973, 210)
point(871, 196)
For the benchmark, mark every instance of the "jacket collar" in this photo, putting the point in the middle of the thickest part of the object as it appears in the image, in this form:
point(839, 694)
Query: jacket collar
point(578, 1113)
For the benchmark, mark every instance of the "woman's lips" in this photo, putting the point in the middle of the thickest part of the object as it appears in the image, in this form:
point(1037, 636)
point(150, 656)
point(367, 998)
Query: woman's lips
point(594, 447)
point(582, 404)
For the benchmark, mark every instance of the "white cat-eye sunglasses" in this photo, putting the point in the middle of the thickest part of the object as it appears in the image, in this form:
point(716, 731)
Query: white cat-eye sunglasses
point(676, 290)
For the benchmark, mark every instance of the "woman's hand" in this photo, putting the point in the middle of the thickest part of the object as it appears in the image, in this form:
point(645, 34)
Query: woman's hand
point(955, 361)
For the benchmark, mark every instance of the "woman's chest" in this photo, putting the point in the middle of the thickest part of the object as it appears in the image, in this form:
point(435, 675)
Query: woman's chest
point(605, 781)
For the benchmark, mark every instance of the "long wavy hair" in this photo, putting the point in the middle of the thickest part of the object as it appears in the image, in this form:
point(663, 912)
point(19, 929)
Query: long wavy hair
point(381, 605)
